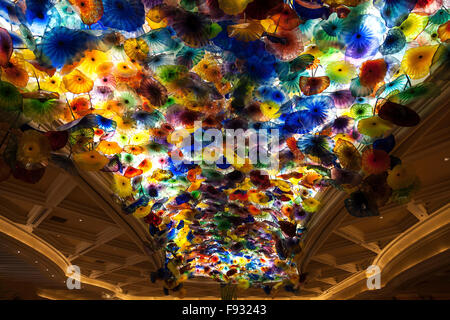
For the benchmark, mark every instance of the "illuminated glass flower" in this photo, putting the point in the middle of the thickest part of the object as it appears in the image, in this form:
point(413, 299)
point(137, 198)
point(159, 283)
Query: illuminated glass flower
point(375, 161)
point(15, 75)
point(285, 45)
point(401, 177)
point(10, 97)
point(76, 82)
point(317, 109)
point(122, 186)
point(394, 12)
point(62, 45)
point(362, 36)
point(91, 61)
point(127, 15)
point(43, 110)
point(233, 7)
point(313, 85)
point(349, 157)
point(109, 147)
point(136, 49)
point(341, 72)
point(444, 31)
point(417, 61)
point(373, 126)
point(6, 47)
point(90, 160)
point(413, 26)
point(90, 11)
point(33, 148)
point(394, 42)
point(371, 72)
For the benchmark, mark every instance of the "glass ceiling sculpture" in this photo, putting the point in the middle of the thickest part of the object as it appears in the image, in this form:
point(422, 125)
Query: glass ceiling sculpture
point(112, 86)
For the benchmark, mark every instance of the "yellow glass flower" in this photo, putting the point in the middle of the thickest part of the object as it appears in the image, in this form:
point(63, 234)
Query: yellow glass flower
point(314, 51)
point(374, 126)
point(91, 61)
point(416, 61)
point(243, 284)
point(310, 204)
point(90, 160)
point(249, 31)
point(33, 148)
point(155, 14)
point(258, 197)
point(104, 68)
point(270, 109)
point(413, 25)
point(140, 138)
point(53, 84)
point(269, 25)
point(202, 68)
point(77, 82)
point(157, 25)
point(155, 18)
point(125, 70)
point(122, 186)
point(341, 71)
point(349, 157)
point(133, 149)
point(124, 124)
point(142, 212)
point(113, 106)
point(109, 147)
point(136, 49)
point(233, 7)
point(123, 139)
point(400, 177)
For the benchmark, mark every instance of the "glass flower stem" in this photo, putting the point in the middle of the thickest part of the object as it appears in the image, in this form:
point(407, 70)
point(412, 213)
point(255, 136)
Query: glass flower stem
point(90, 101)
point(276, 27)
point(37, 80)
point(70, 108)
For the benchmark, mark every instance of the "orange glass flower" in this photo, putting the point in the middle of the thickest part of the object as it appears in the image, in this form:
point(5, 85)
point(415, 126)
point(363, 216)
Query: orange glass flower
point(372, 72)
point(109, 147)
point(90, 11)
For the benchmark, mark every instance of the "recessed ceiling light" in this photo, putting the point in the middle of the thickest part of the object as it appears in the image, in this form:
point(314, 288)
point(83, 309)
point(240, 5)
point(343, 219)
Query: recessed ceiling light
point(18, 251)
point(381, 217)
point(446, 159)
point(81, 220)
point(36, 261)
point(53, 275)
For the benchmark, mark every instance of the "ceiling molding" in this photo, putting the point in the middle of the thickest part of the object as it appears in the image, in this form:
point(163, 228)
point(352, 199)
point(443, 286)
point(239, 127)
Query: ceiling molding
point(412, 247)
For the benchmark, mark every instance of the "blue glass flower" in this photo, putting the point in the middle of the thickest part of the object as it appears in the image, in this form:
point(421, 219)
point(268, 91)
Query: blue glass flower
point(394, 12)
point(362, 36)
point(317, 108)
point(127, 15)
point(395, 41)
point(36, 11)
point(297, 122)
point(61, 45)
